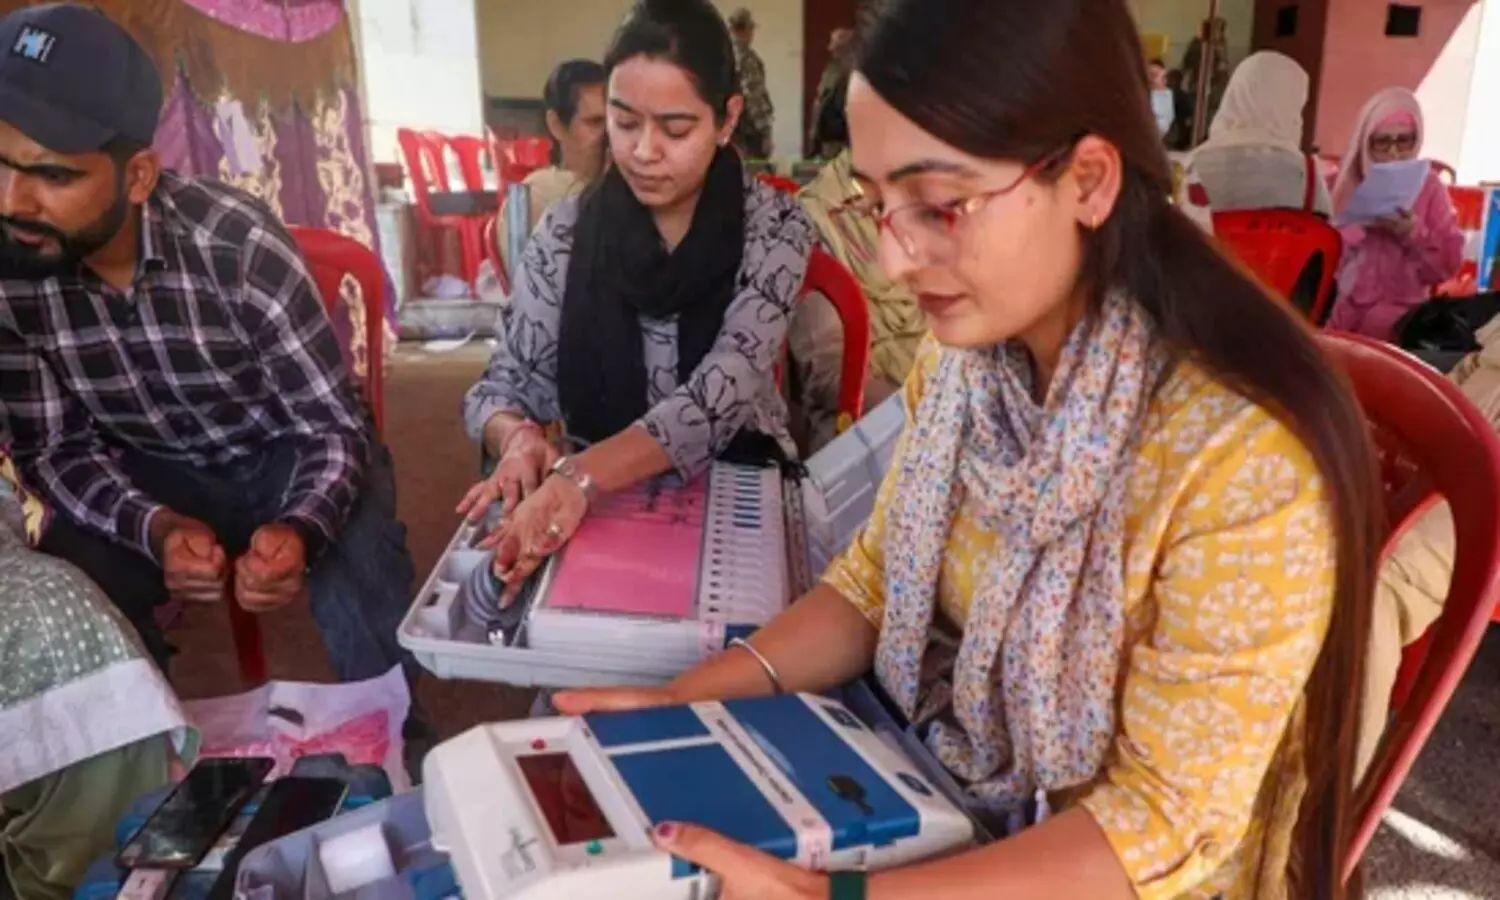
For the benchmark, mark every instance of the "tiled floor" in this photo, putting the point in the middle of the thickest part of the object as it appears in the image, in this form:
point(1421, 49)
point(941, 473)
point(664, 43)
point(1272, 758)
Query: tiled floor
point(1441, 842)
point(1443, 838)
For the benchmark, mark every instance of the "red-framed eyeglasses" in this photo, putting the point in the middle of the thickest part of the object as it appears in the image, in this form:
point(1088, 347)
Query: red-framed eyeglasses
point(922, 228)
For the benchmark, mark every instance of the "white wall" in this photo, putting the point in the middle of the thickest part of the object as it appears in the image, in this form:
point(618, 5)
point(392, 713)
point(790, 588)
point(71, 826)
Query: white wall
point(419, 63)
point(1181, 19)
point(1480, 157)
point(520, 41)
point(1447, 89)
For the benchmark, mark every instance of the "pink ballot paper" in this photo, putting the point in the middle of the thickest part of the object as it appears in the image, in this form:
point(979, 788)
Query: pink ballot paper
point(637, 553)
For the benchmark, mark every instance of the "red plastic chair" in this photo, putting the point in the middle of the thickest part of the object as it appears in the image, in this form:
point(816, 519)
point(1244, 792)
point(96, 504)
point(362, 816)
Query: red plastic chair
point(1278, 246)
point(428, 169)
point(1432, 441)
point(435, 146)
point(518, 157)
point(471, 152)
point(330, 257)
point(522, 156)
point(780, 182)
point(827, 276)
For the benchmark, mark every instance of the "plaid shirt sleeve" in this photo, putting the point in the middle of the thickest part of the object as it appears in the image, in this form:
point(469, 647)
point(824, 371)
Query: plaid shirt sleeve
point(299, 350)
point(69, 464)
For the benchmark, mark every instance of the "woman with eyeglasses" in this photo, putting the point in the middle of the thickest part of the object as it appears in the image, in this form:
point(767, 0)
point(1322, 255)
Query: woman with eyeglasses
point(1118, 577)
point(1391, 265)
point(648, 315)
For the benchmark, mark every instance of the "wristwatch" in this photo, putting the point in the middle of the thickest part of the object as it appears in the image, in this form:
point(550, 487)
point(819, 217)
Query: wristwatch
point(565, 467)
point(847, 886)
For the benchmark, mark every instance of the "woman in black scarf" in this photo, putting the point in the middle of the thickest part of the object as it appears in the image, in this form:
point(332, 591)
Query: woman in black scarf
point(648, 314)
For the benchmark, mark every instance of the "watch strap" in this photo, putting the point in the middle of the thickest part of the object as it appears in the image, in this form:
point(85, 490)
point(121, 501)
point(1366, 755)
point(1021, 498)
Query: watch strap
point(847, 885)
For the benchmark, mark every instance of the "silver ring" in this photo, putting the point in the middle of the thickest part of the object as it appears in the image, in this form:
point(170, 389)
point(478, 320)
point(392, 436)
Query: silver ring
point(554, 531)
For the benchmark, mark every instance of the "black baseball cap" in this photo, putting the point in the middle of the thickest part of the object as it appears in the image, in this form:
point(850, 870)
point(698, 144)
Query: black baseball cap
point(73, 80)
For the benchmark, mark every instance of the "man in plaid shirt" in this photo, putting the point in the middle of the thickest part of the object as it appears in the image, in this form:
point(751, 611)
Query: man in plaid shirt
point(168, 376)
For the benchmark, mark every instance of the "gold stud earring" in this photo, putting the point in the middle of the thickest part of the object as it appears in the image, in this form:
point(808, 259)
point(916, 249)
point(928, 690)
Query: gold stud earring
point(1096, 221)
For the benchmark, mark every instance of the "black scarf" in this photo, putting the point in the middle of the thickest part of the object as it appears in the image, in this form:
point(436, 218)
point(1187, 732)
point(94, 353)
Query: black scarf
point(621, 270)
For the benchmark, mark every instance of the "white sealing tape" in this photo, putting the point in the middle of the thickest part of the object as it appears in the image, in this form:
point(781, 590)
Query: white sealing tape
point(147, 884)
point(356, 859)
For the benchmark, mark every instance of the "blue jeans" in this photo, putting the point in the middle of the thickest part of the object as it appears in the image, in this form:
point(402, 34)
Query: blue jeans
point(360, 589)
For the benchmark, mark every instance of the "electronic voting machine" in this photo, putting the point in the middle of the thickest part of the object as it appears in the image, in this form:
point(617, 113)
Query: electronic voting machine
point(555, 809)
point(656, 579)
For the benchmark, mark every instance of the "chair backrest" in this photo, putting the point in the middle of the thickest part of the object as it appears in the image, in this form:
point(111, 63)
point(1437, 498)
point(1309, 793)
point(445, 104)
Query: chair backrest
point(523, 156)
point(471, 152)
point(1447, 173)
point(425, 168)
point(1432, 441)
point(438, 145)
point(827, 276)
point(1295, 253)
point(780, 182)
point(330, 257)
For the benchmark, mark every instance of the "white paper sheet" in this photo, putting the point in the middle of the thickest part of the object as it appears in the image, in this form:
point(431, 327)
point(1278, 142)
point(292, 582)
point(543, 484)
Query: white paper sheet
point(1387, 188)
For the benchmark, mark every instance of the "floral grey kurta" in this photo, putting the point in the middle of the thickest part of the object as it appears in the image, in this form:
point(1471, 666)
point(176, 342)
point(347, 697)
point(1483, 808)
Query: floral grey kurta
point(733, 387)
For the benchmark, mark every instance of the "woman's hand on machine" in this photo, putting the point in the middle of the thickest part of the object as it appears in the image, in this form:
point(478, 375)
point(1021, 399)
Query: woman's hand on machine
point(592, 700)
point(537, 528)
point(519, 473)
point(745, 873)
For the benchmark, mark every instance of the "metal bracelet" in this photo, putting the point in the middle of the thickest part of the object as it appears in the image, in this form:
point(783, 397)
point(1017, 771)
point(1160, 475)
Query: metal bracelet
point(565, 467)
point(764, 663)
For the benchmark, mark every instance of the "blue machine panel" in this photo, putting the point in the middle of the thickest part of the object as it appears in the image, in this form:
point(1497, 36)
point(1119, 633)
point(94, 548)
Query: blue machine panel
point(645, 726)
point(703, 785)
point(858, 804)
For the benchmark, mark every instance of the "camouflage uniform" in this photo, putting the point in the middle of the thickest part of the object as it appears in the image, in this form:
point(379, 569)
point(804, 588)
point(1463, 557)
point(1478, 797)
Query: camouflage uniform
point(754, 131)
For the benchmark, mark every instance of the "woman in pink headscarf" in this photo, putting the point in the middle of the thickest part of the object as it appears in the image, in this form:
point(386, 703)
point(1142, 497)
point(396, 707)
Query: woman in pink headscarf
point(1392, 264)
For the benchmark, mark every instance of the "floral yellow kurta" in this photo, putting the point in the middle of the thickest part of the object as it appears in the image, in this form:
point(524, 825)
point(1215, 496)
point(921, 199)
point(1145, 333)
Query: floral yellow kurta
point(1229, 586)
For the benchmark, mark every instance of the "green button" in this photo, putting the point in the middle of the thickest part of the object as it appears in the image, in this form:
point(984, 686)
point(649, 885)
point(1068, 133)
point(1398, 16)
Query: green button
point(593, 848)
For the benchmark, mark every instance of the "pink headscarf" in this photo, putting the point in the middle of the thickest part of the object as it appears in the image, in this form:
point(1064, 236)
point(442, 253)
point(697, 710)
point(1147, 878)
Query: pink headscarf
point(1390, 106)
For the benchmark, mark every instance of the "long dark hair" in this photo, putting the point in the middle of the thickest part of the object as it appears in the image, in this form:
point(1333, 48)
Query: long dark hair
point(691, 35)
point(1017, 80)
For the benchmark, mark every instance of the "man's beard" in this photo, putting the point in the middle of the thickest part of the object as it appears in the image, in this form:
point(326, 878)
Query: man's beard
point(24, 261)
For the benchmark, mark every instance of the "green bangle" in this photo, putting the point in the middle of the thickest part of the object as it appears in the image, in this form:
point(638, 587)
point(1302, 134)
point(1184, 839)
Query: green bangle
point(847, 885)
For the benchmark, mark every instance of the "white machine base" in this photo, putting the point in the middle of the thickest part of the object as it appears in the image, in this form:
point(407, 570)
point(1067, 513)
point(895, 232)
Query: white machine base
point(563, 808)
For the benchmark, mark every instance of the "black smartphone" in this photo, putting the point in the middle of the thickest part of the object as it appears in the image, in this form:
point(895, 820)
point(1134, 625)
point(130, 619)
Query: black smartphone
point(290, 804)
point(188, 822)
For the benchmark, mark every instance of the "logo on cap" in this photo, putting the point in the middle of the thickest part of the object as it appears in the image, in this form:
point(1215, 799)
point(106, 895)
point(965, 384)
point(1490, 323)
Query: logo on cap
point(33, 44)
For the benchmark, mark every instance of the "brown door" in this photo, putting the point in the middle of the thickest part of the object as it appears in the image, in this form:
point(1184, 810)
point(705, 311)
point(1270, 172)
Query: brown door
point(1296, 28)
point(819, 19)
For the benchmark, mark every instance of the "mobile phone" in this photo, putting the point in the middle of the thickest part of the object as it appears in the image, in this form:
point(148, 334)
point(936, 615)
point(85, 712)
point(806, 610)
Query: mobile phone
point(290, 804)
point(188, 822)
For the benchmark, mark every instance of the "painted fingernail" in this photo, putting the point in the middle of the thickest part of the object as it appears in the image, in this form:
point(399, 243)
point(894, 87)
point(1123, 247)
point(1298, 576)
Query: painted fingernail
point(666, 831)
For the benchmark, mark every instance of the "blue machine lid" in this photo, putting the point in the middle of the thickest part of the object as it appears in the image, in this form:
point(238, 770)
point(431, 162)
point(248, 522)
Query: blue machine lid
point(859, 805)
